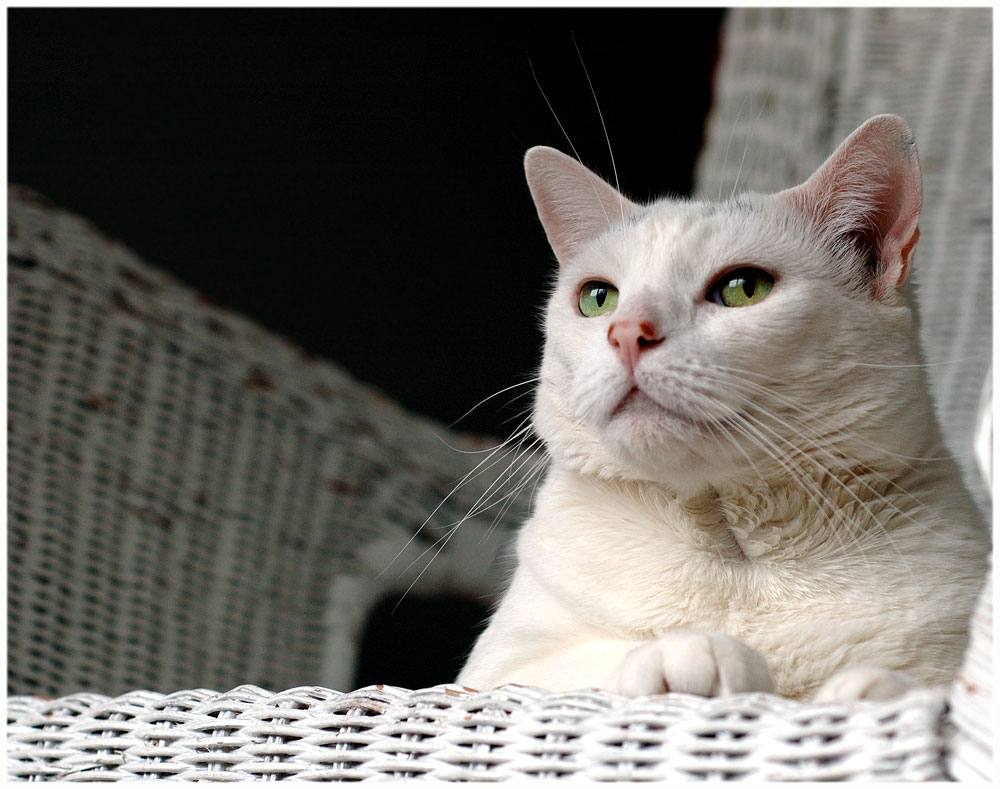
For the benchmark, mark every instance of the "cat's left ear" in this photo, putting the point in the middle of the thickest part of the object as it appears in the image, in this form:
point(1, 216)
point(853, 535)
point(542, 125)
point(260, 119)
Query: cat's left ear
point(868, 195)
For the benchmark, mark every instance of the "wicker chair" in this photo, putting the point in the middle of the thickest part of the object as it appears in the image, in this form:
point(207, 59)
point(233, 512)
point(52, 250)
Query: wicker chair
point(194, 503)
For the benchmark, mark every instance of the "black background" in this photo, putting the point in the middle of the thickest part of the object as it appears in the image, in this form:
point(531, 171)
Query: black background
point(351, 178)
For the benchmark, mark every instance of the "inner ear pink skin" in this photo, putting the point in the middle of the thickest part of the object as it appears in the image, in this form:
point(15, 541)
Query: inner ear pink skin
point(906, 255)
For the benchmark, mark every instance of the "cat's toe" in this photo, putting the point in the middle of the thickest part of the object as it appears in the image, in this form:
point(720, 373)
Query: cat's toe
point(687, 662)
point(864, 682)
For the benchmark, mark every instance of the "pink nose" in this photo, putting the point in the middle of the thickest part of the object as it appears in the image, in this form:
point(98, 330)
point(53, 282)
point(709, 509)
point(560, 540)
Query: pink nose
point(630, 338)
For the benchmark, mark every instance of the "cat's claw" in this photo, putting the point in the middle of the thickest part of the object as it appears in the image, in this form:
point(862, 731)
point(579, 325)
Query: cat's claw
point(687, 662)
point(864, 682)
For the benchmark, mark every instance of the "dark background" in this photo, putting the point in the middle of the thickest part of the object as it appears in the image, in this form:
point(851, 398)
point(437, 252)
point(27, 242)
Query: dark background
point(351, 178)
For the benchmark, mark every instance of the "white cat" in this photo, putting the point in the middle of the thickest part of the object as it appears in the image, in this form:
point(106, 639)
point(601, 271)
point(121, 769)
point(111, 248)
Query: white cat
point(748, 490)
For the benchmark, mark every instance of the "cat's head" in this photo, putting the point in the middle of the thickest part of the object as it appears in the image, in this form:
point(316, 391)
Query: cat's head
point(693, 343)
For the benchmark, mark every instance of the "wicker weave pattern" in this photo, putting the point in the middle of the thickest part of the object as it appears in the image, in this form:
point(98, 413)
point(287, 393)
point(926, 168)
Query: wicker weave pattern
point(448, 733)
point(770, 123)
point(971, 742)
point(191, 501)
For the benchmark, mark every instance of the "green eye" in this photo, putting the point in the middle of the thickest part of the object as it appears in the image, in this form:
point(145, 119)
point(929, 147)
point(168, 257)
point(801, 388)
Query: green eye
point(742, 287)
point(597, 298)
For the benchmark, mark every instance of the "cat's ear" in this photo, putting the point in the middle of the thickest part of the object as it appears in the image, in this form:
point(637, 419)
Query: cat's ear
point(868, 195)
point(574, 204)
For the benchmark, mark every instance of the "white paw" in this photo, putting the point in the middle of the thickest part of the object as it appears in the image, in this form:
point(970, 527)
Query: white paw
point(687, 662)
point(864, 682)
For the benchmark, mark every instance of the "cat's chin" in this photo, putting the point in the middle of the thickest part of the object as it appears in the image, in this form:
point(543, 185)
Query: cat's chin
point(646, 421)
point(654, 443)
point(637, 440)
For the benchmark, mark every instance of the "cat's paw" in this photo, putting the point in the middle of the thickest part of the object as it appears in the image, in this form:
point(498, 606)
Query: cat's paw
point(687, 662)
point(864, 682)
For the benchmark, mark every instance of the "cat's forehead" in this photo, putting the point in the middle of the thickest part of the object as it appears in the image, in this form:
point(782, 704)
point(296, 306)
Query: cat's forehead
point(691, 222)
point(689, 239)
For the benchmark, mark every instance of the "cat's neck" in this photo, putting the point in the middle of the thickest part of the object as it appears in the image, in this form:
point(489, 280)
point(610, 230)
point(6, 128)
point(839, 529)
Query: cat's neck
point(777, 519)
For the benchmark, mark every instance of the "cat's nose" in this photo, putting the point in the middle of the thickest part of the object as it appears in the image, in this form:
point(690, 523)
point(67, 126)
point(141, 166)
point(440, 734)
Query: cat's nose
point(630, 338)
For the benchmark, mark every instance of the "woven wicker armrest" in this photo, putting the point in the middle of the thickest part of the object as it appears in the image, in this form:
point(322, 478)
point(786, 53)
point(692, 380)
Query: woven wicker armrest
point(194, 502)
point(449, 733)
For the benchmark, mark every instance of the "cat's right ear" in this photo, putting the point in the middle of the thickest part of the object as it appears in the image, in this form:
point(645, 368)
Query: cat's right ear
point(574, 205)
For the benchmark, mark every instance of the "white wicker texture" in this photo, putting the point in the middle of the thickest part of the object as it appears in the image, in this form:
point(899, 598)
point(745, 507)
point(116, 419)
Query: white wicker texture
point(191, 501)
point(971, 740)
point(449, 734)
point(793, 82)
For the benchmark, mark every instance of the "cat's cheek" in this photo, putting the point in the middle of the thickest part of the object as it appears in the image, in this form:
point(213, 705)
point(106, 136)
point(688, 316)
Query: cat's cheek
point(564, 433)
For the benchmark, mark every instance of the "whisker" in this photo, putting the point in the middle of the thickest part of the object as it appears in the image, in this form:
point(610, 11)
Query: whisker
point(452, 528)
point(519, 458)
point(543, 464)
point(552, 110)
point(846, 488)
point(528, 382)
point(826, 471)
point(518, 415)
point(443, 540)
point(747, 429)
point(732, 132)
point(478, 507)
point(803, 426)
point(917, 364)
point(811, 488)
point(718, 432)
point(534, 471)
point(600, 114)
point(753, 430)
point(461, 451)
point(473, 473)
point(568, 140)
point(813, 418)
point(746, 146)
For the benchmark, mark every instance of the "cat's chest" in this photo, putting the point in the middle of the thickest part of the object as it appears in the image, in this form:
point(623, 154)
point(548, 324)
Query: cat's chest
point(645, 566)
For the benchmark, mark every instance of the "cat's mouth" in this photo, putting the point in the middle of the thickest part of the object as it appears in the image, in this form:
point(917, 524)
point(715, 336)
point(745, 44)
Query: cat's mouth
point(639, 405)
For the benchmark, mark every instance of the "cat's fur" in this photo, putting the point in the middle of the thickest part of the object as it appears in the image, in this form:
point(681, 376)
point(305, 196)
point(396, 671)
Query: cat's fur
point(773, 507)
